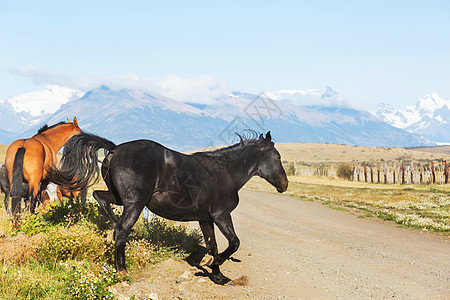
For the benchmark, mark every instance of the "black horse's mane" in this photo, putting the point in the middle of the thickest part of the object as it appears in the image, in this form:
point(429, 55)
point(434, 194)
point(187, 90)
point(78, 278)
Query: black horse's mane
point(46, 127)
point(248, 138)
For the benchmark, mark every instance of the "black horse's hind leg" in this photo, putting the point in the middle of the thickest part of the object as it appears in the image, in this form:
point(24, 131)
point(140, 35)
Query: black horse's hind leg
point(211, 247)
point(129, 217)
point(105, 198)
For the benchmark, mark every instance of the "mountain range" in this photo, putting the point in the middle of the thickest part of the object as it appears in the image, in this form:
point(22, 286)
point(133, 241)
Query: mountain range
point(125, 114)
point(430, 117)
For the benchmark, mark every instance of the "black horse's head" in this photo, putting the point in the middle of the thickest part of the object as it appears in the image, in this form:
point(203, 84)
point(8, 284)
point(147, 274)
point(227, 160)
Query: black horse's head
point(270, 167)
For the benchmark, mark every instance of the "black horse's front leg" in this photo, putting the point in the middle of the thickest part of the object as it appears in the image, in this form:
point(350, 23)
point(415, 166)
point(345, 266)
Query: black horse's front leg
point(225, 225)
point(211, 248)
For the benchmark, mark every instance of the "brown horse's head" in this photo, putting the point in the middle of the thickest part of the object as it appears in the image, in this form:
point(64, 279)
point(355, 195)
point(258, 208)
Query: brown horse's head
point(60, 133)
point(75, 125)
point(74, 129)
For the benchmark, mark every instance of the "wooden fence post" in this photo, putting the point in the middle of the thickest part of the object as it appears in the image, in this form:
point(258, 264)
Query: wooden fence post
point(421, 173)
point(393, 175)
point(433, 175)
point(446, 168)
point(385, 171)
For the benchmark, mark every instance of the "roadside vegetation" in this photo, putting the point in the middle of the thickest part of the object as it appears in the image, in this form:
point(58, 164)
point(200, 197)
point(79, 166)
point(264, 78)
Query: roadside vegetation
point(63, 252)
point(424, 207)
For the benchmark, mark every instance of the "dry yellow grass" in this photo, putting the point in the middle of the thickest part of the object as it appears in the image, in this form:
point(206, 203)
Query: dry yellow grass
point(316, 153)
point(328, 181)
point(3, 149)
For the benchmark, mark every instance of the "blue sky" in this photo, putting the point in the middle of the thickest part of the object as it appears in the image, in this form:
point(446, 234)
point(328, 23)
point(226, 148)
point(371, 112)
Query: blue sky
point(368, 51)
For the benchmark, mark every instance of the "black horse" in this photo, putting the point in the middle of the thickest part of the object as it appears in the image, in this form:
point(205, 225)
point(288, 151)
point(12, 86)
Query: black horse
point(5, 188)
point(200, 187)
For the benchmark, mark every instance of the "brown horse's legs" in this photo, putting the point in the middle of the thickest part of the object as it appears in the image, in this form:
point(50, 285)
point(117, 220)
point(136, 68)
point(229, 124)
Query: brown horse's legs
point(31, 203)
point(211, 247)
point(82, 197)
point(35, 191)
point(7, 202)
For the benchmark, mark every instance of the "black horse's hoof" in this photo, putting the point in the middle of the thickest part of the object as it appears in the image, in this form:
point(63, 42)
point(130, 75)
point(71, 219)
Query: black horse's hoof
point(220, 279)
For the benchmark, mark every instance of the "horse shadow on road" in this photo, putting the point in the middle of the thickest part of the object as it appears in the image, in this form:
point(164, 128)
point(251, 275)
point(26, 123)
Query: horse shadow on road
point(197, 259)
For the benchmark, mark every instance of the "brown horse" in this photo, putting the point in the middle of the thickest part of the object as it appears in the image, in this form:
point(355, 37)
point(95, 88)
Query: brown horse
point(60, 192)
point(27, 160)
point(77, 195)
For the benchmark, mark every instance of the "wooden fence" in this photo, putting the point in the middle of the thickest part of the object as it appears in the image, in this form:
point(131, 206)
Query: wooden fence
point(405, 173)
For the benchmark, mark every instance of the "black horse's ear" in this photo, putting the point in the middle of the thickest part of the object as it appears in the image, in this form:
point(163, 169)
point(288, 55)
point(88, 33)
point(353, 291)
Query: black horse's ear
point(268, 137)
point(261, 136)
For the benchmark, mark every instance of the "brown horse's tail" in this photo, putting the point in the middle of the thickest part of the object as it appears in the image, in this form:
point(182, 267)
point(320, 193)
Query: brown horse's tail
point(16, 184)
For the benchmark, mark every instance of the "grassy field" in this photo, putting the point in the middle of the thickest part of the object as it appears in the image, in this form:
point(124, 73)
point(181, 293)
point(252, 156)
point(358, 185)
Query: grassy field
point(315, 153)
point(425, 207)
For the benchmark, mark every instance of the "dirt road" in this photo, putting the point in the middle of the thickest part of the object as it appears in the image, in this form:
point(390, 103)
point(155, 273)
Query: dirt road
point(291, 249)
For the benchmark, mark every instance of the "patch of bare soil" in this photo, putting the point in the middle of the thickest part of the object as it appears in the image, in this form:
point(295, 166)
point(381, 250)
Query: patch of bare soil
point(173, 279)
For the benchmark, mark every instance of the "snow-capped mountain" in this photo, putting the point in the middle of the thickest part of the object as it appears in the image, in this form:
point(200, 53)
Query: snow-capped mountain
point(123, 115)
point(46, 101)
point(430, 117)
point(326, 97)
point(22, 112)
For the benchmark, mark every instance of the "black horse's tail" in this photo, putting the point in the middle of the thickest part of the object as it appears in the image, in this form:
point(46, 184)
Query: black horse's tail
point(17, 179)
point(79, 163)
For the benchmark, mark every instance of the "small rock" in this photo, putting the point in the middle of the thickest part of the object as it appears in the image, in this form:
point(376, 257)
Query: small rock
point(152, 296)
point(181, 279)
point(184, 276)
point(201, 280)
point(114, 291)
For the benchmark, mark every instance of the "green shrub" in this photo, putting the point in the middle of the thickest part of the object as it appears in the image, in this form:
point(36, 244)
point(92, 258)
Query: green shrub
point(165, 234)
point(345, 171)
point(64, 215)
point(75, 243)
point(141, 253)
